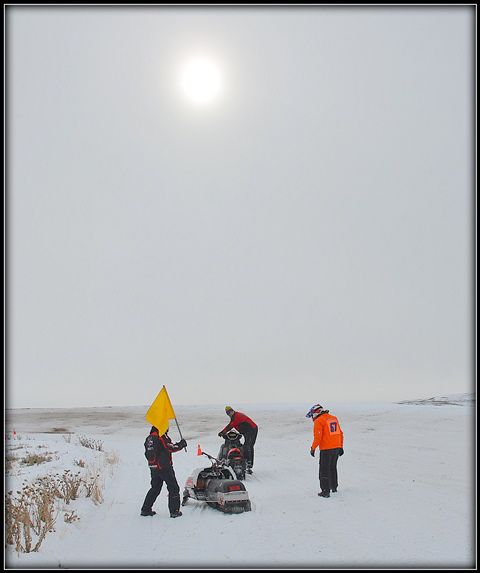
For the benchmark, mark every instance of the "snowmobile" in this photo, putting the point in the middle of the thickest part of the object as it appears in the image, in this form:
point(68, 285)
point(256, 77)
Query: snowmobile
point(218, 486)
point(231, 453)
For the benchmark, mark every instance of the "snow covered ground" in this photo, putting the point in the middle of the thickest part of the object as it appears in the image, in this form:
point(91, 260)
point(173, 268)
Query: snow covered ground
point(406, 489)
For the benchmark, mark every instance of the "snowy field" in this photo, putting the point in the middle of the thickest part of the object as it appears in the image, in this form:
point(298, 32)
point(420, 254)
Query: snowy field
point(406, 494)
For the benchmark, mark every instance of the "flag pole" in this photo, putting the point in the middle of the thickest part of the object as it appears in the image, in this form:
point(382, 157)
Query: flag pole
point(179, 431)
point(181, 437)
point(176, 421)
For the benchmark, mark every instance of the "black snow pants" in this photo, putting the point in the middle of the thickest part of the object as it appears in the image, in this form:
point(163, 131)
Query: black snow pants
point(250, 439)
point(159, 476)
point(328, 469)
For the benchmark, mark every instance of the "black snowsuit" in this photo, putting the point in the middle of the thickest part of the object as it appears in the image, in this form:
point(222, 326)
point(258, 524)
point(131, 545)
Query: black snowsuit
point(250, 438)
point(161, 470)
point(328, 469)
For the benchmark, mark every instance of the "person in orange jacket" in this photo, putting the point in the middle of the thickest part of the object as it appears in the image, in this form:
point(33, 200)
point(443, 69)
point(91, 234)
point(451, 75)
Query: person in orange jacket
point(328, 437)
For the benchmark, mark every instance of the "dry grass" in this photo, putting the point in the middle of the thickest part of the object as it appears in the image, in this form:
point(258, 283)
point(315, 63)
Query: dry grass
point(93, 488)
point(70, 517)
point(30, 515)
point(31, 512)
point(9, 459)
point(68, 485)
point(33, 459)
point(97, 494)
point(112, 458)
point(90, 443)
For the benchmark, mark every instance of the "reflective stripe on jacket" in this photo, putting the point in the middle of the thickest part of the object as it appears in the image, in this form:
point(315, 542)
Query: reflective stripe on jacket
point(163, 451)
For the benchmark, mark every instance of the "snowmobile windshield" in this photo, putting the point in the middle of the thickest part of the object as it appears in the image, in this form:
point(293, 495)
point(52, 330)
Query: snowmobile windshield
point(233, 435)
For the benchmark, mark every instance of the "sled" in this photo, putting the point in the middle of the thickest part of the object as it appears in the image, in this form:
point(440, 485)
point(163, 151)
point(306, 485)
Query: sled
point(217, 486)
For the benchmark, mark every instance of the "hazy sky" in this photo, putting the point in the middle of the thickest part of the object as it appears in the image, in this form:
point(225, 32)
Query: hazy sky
point(306, 236)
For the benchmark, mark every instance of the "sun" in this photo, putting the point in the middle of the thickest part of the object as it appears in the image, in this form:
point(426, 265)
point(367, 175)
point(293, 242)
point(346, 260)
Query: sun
point(200, 80)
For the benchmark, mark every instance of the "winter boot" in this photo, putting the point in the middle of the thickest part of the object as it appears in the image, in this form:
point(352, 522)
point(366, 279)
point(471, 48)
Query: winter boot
point(176, 514)
point(324, 494)
point(146, 512)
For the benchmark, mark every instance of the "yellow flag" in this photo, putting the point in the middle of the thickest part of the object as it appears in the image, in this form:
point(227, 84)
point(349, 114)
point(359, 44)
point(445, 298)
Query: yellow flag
point(160, 412)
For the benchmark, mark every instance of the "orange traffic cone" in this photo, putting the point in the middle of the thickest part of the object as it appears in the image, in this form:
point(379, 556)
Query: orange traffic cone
point(199, 450)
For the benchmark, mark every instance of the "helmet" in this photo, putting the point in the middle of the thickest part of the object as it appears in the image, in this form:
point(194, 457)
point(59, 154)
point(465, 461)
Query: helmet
point(233, 434)
point(314, 411)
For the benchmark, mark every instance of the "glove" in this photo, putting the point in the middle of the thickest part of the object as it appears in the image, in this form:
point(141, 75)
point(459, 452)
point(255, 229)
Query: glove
point(312, 453)
point(340, 453)
point(182, 443)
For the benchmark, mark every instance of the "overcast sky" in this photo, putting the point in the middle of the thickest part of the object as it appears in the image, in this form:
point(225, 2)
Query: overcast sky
point(306, 236)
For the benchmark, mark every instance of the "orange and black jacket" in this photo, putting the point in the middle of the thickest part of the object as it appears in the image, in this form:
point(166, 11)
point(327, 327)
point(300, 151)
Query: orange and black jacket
point(163, 451)
point(327, 433)
point(241, 423)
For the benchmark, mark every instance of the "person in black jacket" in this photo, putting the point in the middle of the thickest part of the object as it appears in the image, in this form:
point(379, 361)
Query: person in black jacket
point(158, 451)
